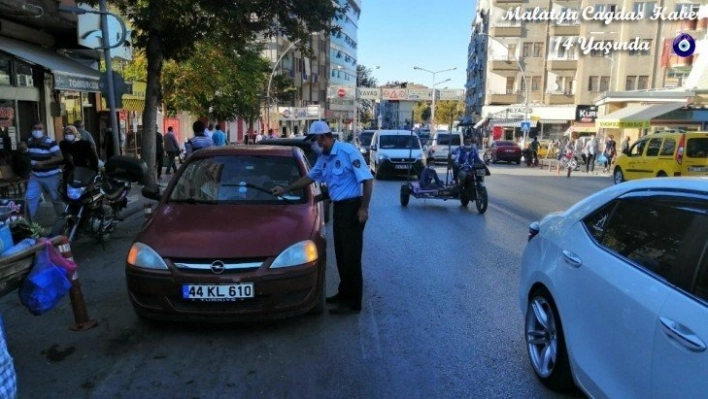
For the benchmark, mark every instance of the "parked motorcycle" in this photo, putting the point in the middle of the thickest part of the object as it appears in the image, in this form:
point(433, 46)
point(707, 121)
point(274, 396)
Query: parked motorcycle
point(95, 199)
point(473, 188)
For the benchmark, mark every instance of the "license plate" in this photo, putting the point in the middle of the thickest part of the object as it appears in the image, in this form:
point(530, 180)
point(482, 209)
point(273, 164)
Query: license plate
point(481, 172)
point(698, 168)
point(402, 166)
point(217, 293)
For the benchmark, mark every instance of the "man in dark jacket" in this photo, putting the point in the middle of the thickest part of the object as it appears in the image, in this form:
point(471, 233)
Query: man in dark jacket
point(159, 151)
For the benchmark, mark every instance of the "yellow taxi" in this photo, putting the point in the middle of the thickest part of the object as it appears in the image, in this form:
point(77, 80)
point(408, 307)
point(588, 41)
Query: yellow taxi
point(547, 149)
point(664, 154)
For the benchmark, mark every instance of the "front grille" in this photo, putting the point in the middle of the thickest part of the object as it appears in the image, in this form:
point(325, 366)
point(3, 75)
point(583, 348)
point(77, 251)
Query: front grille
point(402, 160)
point(231, 266)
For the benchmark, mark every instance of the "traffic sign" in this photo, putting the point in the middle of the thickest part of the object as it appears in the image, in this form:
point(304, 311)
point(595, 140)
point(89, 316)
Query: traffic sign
point(525, 126)
point(341, 92)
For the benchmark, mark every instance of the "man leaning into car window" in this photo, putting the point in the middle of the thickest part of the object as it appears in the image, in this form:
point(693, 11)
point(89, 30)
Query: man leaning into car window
point(343, 168)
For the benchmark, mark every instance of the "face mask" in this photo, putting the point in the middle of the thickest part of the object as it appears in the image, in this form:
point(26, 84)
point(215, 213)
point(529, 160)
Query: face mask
point(468, 146)
point(37, 134)
point(69, 137)
point(316, 148)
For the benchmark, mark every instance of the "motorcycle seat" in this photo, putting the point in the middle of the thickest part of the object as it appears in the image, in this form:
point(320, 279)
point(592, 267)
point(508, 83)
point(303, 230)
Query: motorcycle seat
point(113, 189)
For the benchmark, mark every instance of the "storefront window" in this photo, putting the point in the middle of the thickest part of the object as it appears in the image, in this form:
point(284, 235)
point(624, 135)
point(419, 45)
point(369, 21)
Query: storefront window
point(4, 70)
point(73, 103)
point(8, 130)
point(24, 74)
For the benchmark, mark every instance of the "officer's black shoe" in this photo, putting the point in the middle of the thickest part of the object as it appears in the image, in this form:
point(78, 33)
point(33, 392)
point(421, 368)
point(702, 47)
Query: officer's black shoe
point(345, 310)
point(334, 299)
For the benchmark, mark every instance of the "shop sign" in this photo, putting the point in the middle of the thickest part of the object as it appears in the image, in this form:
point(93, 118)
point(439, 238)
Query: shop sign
point(624, 124)
point(299, 113)
point(75, 83)
point(420, 94)
point(586, 113)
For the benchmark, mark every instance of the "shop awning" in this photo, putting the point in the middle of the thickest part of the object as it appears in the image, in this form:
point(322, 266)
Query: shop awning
point(68, 74)
point(636, 116)
point(554, 121)
point(481, 123)
point(510, 122)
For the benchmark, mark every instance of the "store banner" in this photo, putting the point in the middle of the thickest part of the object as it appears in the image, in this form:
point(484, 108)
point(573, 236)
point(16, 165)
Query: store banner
point(454, 95)
point(311, 112)
point(75, 83)
point(420, 94)
point(586, 113)
point(368, 93)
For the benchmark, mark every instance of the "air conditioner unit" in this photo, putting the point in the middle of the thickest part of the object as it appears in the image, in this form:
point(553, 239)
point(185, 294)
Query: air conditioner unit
point(25, 80)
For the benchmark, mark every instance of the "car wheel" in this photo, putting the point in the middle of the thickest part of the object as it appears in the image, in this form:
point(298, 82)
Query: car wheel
point(405, 195)
point(518, 161)
point(662, 174)
point(618, 176)
point(545, 342)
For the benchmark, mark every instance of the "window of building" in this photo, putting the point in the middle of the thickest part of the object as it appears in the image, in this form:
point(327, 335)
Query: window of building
point(527, 50)
point(5, 70)
point(510, 83)
point(599, 8)
point(629, 85)
point(647, 51)
point(642, 82)
point(638, 7)
point(593, 83)
point(511, 51)
point(538, 49)
point(536, 83)
point(649, 8)
point(604, 83)
point(611, 7)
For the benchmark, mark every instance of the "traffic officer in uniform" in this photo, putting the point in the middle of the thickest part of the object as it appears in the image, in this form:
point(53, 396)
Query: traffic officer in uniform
point(342, 167)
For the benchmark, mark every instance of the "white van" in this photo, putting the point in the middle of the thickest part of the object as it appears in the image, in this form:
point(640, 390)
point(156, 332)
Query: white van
point(442, 142)
point(394, 152)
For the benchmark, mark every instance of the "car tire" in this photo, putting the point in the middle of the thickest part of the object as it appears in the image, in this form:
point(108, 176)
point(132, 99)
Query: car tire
point(662, 174)
point(405, 195)
point(545, 342)
point(518, 162)
point(618, 176)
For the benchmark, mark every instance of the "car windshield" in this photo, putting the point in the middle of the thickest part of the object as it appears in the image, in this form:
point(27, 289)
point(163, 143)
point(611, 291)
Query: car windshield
point(238, 179)
point(402, 142)
point(444, 139)
point(697, 148)
point(505, 143)
point(365, 138)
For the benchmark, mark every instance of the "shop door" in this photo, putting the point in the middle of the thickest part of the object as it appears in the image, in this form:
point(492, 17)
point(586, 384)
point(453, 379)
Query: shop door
point(28, 114)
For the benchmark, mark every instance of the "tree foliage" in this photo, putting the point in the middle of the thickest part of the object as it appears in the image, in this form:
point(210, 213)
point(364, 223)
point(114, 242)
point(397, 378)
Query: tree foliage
point(170, 30)
point(448, 111)
point(421, 112)
point(365, 78)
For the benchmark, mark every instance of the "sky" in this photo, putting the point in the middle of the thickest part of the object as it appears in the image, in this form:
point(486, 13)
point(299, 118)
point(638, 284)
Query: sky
point(400, 34)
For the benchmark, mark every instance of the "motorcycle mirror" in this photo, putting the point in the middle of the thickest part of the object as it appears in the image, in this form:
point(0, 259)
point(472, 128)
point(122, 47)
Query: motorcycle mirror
point(152, 193)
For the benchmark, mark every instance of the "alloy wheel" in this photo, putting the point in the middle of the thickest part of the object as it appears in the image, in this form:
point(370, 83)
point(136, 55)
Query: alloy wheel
point(541, 337)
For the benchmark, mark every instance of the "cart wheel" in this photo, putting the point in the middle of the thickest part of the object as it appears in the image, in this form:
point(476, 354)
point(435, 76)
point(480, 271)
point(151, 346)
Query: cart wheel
point(482, 200)
point(405, 195)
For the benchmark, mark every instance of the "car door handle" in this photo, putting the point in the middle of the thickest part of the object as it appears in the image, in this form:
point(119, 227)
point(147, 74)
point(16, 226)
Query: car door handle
point(682, 335)
point(572, 259)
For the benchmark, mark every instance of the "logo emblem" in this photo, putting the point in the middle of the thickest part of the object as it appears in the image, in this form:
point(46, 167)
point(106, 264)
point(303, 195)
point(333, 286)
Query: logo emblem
point(684, 45)
point(338, 164)
point(356, 163)
point(217, 267)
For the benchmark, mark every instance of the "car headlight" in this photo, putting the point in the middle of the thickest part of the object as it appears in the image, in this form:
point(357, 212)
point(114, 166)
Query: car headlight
point(362, 150)
point(141, 255)
point(383, 156)
point(75, 192)
point(296, 255)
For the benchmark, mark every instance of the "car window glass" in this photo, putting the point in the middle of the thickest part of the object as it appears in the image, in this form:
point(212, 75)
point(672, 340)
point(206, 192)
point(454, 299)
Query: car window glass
point(667, 149)
point(238, 179)
point(444, 139)
point(365, 138)
point(701, 289)
point(596, 222)
point(657, 235)
point(697, 147)
point(399, 142)
point(637, 149)
point(653, 147)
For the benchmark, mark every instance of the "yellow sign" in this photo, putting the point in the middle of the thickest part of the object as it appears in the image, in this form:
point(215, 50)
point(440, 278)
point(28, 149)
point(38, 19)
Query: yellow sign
point(535, 118)
point(585, 129)
point(624, 124)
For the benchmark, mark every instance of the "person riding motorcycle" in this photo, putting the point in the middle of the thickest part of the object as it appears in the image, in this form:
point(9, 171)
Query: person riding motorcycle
point(77, 152)
point(466, 156)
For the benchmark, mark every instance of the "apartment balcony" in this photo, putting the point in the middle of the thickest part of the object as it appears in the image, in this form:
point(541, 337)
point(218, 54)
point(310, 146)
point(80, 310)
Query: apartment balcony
point(507, 30)
point(560, 98)
point(569, 29)
point(504, 64)
point(509, 97)
point(508, 1)
point(565, 64)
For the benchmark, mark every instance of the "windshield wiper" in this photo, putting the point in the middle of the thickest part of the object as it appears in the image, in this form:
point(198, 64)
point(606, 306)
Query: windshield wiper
point(194, 201)
point(261, 189)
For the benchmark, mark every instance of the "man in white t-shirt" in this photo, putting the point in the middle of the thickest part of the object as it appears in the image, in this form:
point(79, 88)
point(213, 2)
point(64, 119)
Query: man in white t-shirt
point(208, 131)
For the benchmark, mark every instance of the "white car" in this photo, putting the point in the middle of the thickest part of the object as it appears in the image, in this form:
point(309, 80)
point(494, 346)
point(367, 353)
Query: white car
point(615, 292)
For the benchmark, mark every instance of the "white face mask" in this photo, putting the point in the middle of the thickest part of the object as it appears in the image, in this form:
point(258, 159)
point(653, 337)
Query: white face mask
point(69, 137)
point(316, 148)
point(468, 146)
point(37, 134)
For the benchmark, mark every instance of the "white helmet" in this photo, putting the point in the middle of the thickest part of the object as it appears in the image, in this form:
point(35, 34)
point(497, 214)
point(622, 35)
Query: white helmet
point(319, 127)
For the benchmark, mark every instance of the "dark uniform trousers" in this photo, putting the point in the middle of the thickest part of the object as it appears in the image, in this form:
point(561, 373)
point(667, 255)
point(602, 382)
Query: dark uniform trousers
point(348, 245)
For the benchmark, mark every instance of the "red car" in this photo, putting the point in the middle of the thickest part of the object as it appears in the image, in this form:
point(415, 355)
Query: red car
point(219, 246)
point(507, 151)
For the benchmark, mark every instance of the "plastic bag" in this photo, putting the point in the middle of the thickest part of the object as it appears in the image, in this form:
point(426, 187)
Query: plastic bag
point(602, 158)
point(59, 260)
point(45, 286)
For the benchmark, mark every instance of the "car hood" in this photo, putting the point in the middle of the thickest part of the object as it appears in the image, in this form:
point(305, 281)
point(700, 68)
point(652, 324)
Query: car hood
point(196, 231)
point(396, 153)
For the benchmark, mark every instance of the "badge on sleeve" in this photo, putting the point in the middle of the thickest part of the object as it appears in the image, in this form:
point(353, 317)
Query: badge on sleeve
point(338, 164)
point(356, 163)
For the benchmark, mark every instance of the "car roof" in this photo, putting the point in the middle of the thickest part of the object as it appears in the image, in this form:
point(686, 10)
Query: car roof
point(268, 150)
point(395, 133)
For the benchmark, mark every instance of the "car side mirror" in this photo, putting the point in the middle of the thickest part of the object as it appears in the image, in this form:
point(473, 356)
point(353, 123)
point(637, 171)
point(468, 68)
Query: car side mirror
point(152, 193)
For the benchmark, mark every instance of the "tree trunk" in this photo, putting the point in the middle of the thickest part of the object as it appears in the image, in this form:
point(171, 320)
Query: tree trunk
point(154, 70)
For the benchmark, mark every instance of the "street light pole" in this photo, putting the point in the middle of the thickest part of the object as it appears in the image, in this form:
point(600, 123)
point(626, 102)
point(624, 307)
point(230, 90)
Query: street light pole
point(432, 108)
point(272, 73)
point(523, 76)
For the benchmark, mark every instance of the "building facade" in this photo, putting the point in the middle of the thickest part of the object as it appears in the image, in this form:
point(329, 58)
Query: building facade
point(561, 69)
point(343, 63)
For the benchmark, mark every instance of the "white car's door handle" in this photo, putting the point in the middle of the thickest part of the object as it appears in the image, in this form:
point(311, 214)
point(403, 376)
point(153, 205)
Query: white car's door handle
point(682, 335)
point(572, 259)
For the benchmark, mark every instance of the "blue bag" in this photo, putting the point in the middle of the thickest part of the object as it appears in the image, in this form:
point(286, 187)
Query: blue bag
point(45, 285)
point(602, 158)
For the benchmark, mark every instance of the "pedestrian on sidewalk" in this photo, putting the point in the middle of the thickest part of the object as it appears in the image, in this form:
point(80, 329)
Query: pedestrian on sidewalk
point(46, 158)
point(200, 140)
point(218, 137)
point(77, 151)
point(344, 170)
point(590, 153)
point(172, 150)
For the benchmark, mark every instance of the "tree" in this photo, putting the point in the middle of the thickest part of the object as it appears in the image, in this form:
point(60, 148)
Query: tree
point(448, 111)
point(134, 70)
point(170, 29)
point(421, 112)
point(365, 78)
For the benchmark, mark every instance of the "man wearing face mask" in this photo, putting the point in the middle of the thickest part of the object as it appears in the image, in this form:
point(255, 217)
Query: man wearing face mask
point(46, 157)
point(467, 154)
point(343, 168)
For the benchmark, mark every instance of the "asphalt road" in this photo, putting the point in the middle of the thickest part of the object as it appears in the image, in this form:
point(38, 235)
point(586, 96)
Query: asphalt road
point(441, 316)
